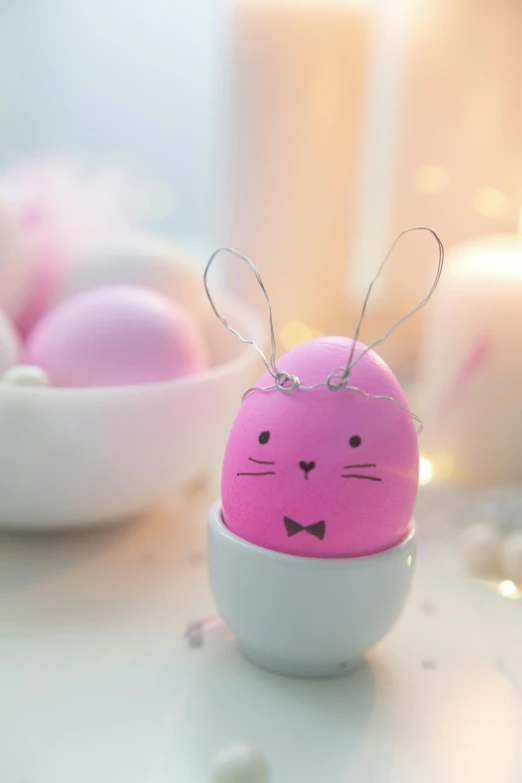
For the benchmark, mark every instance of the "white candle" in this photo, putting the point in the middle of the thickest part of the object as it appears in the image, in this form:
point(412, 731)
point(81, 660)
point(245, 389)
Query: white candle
point(459, 157)
point(300, 76)
point(472, 363)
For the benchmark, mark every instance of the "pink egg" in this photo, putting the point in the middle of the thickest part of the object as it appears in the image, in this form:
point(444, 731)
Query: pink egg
point(9, 343)
point(47, 268)
point(115, 336)
point(322, 473)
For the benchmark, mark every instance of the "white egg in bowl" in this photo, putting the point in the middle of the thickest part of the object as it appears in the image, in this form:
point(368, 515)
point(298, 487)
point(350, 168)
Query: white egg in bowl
point(73, 457)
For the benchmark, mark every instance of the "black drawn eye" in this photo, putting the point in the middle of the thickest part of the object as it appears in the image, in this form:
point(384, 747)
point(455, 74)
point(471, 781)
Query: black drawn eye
point(264, 437)
point(355, 441)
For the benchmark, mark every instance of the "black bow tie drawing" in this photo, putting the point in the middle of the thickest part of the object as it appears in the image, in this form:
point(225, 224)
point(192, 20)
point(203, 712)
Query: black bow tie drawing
point(318, 529)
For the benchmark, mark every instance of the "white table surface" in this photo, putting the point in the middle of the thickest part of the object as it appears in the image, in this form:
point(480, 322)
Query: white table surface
point(98, 684)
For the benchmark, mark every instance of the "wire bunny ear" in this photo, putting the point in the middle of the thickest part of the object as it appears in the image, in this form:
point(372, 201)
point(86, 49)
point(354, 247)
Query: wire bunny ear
point(283, 380)
point(351, 362)
point(338, 378)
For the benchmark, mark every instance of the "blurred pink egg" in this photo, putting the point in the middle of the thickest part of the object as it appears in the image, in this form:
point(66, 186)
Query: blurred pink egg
point(63, 208)
point(46, 270)
point(321, 473)
point(116, 336)
point(15, 261)
point(9, 344)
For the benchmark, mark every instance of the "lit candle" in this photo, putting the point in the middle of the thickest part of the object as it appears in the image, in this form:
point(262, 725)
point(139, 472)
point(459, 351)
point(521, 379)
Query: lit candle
point(471, 363)
point(459, 158)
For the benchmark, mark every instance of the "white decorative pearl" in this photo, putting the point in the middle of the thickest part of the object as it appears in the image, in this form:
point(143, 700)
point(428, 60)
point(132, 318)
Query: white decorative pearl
point(239, 763)
point(510, 557)
point(480, 543)
point(25, 375)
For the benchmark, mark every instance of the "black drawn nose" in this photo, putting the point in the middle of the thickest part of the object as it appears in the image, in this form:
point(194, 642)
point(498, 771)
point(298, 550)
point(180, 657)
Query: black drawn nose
point(307, 467)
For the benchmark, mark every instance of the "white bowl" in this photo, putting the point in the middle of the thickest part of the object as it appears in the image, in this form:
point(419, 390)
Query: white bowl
point(78, 457)
point(304, 616)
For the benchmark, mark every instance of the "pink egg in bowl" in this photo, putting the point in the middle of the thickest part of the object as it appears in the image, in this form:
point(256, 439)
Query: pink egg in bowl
point(116, 336)
point(74, 457)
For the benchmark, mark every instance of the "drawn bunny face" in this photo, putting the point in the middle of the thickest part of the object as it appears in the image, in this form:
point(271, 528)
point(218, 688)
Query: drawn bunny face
point(322, 473)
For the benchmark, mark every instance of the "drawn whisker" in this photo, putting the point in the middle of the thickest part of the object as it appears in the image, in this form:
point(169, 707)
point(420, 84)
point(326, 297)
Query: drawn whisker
point(367, 465)
point(358, 476)
point(265, 473)
point(261, 461)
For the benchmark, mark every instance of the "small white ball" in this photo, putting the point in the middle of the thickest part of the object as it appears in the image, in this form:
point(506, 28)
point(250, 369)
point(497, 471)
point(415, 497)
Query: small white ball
point(137, 259)
point(240, 763)
point(480, 543)
point(9, 344)
point(25, 375)
point(510, 557)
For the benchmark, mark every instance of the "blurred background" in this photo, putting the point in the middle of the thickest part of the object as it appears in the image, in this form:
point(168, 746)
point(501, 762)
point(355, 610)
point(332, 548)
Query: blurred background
point(308, 134)
point(136, 137)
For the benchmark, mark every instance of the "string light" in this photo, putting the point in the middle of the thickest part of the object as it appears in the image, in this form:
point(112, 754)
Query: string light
point(425, 471)
point(432, 180)
point(492, 203)
point(507, 588)
point(294, 333)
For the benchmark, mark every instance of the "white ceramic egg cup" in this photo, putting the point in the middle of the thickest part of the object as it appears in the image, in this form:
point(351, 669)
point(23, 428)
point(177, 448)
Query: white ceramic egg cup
point(303, 616)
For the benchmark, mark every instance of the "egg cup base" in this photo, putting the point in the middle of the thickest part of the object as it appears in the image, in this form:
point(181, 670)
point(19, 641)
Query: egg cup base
point(286, 668)
point(303, 616)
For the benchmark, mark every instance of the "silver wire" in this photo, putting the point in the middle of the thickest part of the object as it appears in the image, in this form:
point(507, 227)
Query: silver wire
point(224, 321)
point(356, 389)
point(286, 382)
point(351, 364)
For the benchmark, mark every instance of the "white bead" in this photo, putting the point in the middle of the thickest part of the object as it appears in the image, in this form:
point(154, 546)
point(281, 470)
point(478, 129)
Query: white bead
point(25, 375)
point(239, 763)
point(510, 557)
point(480, 543)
